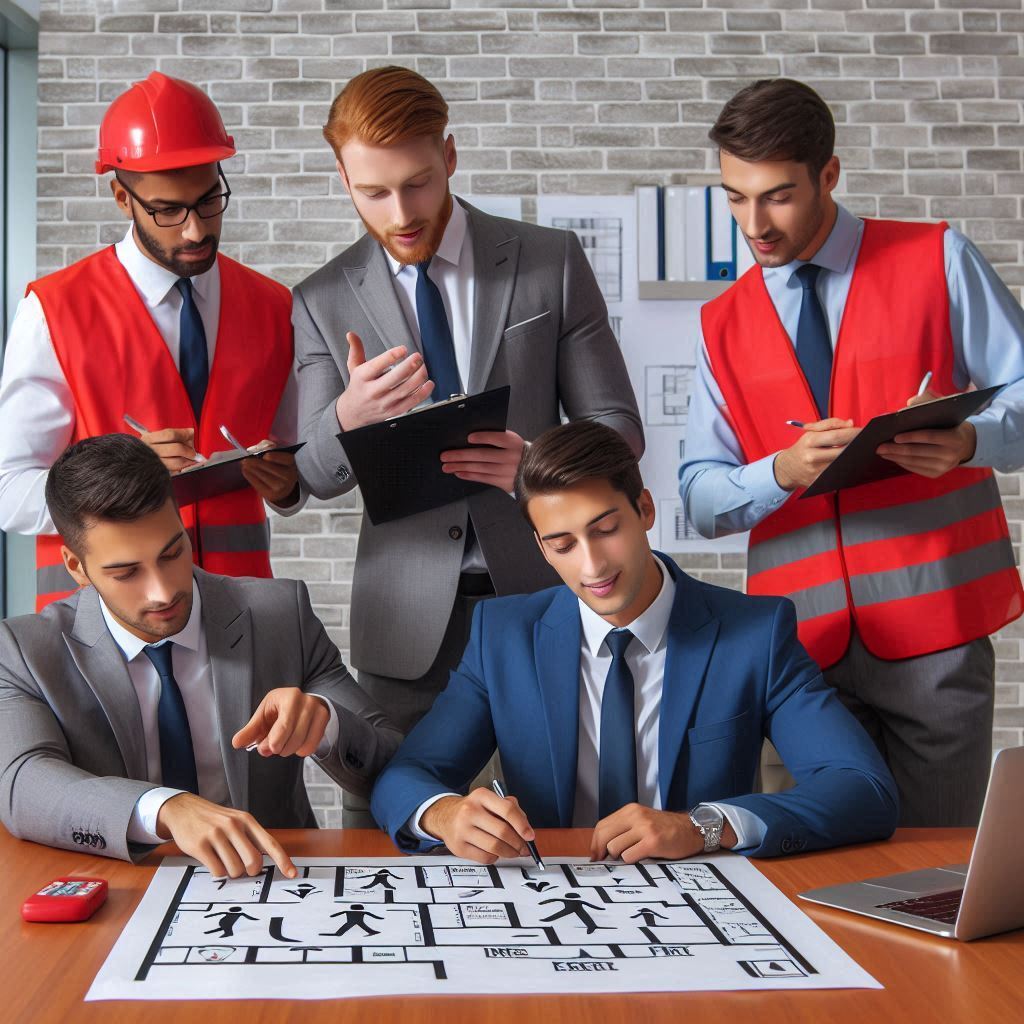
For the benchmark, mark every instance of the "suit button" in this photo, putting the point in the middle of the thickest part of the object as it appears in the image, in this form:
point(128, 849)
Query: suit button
point(787, 845)
point(455, 533)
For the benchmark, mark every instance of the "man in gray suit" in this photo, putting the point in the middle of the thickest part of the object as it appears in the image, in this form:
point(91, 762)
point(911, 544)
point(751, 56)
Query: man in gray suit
point(127, 709)
point(376, 334)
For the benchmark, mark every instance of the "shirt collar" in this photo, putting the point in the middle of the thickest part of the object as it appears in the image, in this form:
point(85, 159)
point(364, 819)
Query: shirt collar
point(152, 280)
point(452, 241)
point(649, 627)
point(131, 646)
point(835, 253)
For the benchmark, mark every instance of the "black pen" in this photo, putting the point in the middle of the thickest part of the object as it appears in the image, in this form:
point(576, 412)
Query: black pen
point(530, 845)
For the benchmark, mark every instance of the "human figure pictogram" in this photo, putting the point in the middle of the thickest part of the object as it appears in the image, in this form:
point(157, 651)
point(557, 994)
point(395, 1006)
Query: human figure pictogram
point(574, 903)
point(228, 919)
point(381, 878)
point(355, 917)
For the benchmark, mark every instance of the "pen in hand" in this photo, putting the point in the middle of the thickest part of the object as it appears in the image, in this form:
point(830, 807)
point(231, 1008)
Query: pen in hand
point(925, 381)
point(530, 845)
point(135, 424)
point(233, 441)
point(139, 428)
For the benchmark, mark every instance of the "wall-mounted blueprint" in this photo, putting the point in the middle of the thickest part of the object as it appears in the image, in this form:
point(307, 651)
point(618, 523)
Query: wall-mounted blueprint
point(432, 925)
point(659, 343)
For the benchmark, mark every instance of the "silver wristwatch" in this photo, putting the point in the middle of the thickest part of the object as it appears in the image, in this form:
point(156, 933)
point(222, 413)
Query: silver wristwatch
point(709, 822)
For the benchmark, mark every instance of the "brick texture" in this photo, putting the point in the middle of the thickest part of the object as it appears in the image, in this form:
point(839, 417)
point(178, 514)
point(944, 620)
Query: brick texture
point(544, 94)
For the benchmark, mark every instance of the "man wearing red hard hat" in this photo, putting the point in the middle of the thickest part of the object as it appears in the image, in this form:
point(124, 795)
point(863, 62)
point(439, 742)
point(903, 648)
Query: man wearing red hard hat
point(160, 329)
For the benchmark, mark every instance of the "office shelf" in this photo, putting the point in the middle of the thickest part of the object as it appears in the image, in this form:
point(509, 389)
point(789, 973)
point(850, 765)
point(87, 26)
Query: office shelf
point(700, 291)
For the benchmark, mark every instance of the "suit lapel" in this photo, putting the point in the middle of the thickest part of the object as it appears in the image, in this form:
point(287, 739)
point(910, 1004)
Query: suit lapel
point(229, 644)
point(374, 288)
point(692, 631)
point(103, 667)
point(557, 663)
point(495, 259)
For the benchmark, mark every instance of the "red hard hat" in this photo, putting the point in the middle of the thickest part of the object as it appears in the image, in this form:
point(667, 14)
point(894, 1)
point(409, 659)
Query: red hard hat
point(161, 124)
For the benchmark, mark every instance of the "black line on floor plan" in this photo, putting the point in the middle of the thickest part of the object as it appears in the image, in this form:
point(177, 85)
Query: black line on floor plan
point(150, 958)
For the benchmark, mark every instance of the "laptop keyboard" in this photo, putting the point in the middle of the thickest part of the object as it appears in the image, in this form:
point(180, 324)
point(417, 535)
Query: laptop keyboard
point(939, 906)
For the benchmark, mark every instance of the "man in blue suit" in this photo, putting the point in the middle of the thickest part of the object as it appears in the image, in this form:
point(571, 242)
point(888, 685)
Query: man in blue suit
point(633, 700)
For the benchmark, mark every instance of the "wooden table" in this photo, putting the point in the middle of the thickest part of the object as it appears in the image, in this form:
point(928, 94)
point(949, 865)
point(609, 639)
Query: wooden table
point(47, 969)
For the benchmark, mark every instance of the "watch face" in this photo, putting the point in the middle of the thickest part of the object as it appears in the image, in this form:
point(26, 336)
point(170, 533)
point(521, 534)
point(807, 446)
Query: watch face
point(708, 817)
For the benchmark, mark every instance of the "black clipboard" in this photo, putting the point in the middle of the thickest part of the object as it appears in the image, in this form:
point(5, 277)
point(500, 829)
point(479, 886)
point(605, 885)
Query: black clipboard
point(222, 476)
point(397, 463)
point(859, 464)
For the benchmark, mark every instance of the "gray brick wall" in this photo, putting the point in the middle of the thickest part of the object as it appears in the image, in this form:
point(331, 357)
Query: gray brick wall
point(547, 96)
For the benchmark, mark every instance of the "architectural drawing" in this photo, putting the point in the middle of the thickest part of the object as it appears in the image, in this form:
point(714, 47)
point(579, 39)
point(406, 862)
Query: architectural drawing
point(676, 529)
point(432, 925)
point(601, 238)
point(667, 395)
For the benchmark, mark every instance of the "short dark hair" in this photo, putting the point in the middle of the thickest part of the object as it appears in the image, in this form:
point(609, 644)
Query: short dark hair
point(573, 452)
point(777, 119)
point(110, 478)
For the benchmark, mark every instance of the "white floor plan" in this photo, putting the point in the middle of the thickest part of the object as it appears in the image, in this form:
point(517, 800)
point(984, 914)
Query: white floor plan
point(433, 925)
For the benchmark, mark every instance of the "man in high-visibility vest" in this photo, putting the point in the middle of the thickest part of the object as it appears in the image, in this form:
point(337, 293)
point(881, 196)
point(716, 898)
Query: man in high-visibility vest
point(160, 329)
point(897, 583)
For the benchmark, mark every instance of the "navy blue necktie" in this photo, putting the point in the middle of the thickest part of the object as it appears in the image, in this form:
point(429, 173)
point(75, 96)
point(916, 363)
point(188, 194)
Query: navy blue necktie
point(813, 345)
point(436, 337)
point(177, 758)
point(193, 358)
point(617, 766)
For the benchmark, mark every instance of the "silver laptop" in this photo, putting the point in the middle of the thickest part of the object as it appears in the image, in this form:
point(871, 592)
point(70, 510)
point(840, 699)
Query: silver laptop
point(963, 901)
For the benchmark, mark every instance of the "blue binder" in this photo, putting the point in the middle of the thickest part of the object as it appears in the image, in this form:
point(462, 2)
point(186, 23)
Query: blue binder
point(721, 236)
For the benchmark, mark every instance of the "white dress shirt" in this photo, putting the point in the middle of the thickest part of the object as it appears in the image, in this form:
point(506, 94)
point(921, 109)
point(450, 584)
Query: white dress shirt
point(645, 657)
point(451, 269)
point(37, 409)
point(193, 674)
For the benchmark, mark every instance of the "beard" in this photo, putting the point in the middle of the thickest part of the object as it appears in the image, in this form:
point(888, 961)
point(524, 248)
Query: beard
point(155, 628)
point(427, 245)
point(169, 257)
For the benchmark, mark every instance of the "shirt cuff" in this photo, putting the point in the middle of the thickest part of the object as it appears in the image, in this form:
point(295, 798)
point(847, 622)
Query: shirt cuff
point(412, 826)
point(758, 480)
point(330, 736)
point(990, 438)
point(749, 828)
point(142, 827)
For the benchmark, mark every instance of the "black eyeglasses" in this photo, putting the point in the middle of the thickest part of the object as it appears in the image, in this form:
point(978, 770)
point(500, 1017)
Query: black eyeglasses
point(172, 216)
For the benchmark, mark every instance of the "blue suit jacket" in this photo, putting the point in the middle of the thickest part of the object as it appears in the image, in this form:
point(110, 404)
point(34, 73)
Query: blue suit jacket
point(734, 673)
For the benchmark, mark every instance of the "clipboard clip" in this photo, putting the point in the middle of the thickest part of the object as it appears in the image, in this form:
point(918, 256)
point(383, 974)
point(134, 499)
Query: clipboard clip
point(393, 421)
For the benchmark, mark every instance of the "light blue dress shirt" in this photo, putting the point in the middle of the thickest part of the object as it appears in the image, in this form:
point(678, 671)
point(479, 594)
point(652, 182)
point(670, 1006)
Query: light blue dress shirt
point(722, 494)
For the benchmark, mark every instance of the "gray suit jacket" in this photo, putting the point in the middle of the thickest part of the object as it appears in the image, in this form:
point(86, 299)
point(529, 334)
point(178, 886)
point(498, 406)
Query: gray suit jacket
point(72, 746)
point(540, 325)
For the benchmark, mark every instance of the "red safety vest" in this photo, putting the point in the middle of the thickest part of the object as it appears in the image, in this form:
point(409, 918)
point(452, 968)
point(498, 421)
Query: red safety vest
point(116, 361)
point(920, 565)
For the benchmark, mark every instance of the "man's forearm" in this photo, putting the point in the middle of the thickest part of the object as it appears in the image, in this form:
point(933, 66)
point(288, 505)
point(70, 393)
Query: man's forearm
point(720, 499)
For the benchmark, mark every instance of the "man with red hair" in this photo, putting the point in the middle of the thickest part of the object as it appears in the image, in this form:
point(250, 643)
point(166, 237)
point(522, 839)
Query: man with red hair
point(136, 330)
point(438, 298)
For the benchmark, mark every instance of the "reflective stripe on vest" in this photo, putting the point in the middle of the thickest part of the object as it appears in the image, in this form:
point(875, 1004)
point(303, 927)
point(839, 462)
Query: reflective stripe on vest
point(95, 299)
point(919, 564)
point(54, 579)
point(876, 524)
